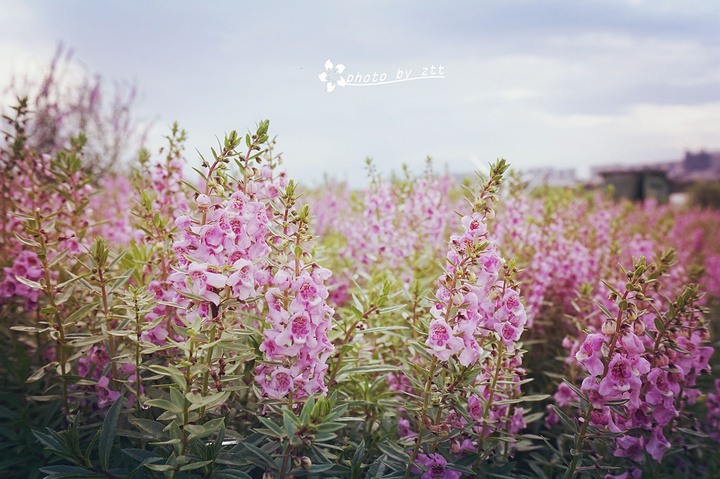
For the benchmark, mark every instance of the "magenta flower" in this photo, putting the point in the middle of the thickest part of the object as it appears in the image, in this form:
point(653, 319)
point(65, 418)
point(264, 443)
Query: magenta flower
point(442, 341)
point(620, 378)
point(437, 468)
point(590, 353)
point(105, 395)
point(657, 445)
point(203, 280)
point(281, 383)
point(242, 280)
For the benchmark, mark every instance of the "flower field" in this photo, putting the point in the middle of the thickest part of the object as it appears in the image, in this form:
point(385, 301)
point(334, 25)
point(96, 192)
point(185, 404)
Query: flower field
point(224, 322)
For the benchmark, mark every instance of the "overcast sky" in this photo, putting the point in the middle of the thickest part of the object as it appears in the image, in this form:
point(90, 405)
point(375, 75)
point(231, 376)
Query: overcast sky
point(541, 83)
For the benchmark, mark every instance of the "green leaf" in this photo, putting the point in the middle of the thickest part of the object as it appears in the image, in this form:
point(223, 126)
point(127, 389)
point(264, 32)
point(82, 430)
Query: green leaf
point(230, 474)
point(380, 368)
point(575, 389)
point(565, 419)
point(330, 427)
point(277, 430)
point(165, 404)
point(288, 422)
point(264, 456)
point(610, 287)
point(81, 312)
point(194, 465)
point(160, 467)
point(121, 280)
point(171, 371)
point(28, 282)
point(208, 428)
point(307, 409)
point(154, 428)
point(40, 373)
point(659, 325)
point(109, 428)
point(381, 329)
point(604, 309)
point(68, 472)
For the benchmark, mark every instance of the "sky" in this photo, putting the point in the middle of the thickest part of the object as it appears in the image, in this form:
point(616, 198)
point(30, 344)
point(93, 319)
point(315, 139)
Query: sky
point(563, 84)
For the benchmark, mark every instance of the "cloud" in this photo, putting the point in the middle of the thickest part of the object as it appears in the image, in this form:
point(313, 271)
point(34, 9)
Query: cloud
point(541, 83)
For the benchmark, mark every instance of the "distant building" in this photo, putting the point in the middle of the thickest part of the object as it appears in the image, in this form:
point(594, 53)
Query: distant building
point(697, 161)
point(638, 184)
point(659, 180)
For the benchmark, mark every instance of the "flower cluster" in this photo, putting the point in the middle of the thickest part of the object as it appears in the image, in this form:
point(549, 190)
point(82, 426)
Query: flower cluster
point(299, 319)
point(295, 342)
point(26, 266)
point(472, 303)
point(646, 361)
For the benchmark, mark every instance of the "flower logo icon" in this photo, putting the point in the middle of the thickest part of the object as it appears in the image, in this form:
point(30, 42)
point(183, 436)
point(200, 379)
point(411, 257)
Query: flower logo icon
point(332, 76)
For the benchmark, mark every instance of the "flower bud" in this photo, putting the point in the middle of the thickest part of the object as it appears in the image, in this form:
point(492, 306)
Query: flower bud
point(458, 298)
point(268, 475)
point(455, 447)
point(704, 334)
point(639, 327)
point(609, 327)
point(296, 461)
point(306, 463)
point(203, 203)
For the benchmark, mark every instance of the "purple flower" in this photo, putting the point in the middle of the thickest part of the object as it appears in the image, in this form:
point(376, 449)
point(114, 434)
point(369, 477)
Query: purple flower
point(437, 468)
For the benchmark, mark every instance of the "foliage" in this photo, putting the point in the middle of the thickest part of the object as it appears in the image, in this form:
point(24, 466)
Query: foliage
point(706, 194)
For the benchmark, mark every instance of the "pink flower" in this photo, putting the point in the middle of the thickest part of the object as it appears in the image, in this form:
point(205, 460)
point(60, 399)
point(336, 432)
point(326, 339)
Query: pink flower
point(621, 378)
point(590, 353)
point(437, 468)
point(242, 281)
point(281, 383)
point(308, 291)
point(441, 340)
point(474, 224)
point(630, 447)
point(282, 280)
point(657, 444)
point(203, 279)
point(632, 343)
point(105, 395)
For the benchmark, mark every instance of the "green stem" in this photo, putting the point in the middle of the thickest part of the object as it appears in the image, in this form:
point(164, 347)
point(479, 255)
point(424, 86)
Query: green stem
point(346, 339)
point(579, 443)
point(423, 417)
point(108, 327)
point(186, 402)
point(62, 353)
point(208, 364)
point(493, 385)
point(138, 379)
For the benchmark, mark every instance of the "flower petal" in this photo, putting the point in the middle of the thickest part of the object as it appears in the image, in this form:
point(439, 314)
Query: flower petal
point(323, 77)
point(329, 86)
point(341, 81)
point(328, 65)
point(340, 69)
